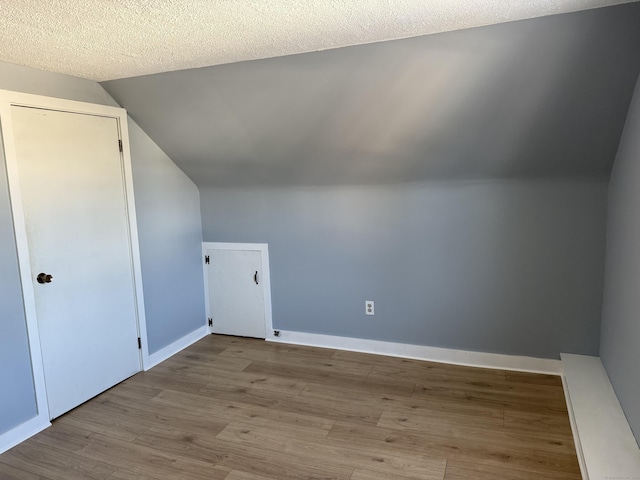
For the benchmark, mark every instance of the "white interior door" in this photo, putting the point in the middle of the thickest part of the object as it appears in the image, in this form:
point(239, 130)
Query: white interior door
point(74, 201)
point(236, 293)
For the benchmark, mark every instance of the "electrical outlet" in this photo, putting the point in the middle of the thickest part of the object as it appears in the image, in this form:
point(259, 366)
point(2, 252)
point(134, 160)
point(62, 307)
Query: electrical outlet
point(369, 307)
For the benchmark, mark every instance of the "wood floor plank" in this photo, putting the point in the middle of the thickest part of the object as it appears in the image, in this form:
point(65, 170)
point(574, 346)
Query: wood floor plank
point(96, 420)
point(536, 378)
point(303, 373)
point(383, 400)
point(244, 409)
point(412, 365)
point(416, 373)
point(480, 471)
point(257, 459)
point(202, 374)
point(364, 474)
point(151, 461)
point(326, 408)
point(423, 419)
point(238, 475)
point(165, 380)
point(497, 394)
point(207, 346)
point(523, 421)
point(412, 464)
point(321, 364)
point(284, 385)
point(126, 475)
point(257, 344)
point(463, 444)
point(8, 472)
point(126, 418)
point(56, 464)
point(218, 362)
point(237, 410)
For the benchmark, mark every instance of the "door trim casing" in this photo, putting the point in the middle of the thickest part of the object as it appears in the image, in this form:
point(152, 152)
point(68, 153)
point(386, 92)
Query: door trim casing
point(263, 248)
point(9, 99)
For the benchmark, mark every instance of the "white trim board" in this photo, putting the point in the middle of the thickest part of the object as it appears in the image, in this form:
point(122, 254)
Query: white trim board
point(421, 352)
point(173, 348)
point(574, 430)
point(609, 448)
point(24, 431)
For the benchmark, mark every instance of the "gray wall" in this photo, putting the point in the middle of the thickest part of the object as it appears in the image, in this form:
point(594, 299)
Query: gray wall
point(620, 343)
point(17, 393)
point(169, 228)
point(541, 98)
point(511, 267)
point(170, 232)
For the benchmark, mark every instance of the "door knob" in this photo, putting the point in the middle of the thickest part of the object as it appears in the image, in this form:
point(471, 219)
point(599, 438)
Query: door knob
point(44, 278)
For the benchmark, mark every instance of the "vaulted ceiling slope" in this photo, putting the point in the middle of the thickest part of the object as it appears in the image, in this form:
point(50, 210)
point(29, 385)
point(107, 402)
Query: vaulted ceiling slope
point(540, 98)
point(109, 39)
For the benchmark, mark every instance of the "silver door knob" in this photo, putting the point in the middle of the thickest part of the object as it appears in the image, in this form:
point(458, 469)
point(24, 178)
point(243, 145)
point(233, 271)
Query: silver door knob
point(44, 278)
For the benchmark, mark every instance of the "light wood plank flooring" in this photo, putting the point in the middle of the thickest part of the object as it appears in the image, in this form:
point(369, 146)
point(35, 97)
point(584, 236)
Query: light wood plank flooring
point(243, 409)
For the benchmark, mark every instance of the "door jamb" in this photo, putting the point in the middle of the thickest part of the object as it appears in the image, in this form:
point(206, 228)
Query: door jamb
point(7, 100)
point(266, 278)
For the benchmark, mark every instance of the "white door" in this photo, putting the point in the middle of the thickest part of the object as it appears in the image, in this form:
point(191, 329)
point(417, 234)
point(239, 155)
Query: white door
point(236, 293)
point(71, 180)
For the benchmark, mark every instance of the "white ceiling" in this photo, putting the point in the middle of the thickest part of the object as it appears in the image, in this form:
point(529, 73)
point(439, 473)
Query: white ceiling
point(110, 39)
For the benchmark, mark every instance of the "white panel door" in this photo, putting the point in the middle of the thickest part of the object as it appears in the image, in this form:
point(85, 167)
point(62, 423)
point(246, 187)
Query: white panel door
point(236, 294)
point(71, 181)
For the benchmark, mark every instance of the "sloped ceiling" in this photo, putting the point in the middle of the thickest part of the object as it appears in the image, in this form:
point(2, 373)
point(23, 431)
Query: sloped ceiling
point(109, 39)
point(540, 98)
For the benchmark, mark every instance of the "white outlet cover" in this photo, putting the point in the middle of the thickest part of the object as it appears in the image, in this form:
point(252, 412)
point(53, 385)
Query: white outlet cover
point(369, 307)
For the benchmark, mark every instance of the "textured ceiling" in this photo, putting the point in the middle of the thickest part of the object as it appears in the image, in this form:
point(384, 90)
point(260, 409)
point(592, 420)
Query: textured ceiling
point(109, 39)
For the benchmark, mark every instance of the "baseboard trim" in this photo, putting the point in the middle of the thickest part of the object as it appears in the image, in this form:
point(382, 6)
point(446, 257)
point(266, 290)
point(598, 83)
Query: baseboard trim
point(23, 431)
point(602, 433)
point(421, 352)
point(173, 348)
point(574, 430)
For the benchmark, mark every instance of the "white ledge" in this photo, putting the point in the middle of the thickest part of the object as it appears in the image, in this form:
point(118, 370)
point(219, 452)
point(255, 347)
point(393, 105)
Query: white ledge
point(609, 449)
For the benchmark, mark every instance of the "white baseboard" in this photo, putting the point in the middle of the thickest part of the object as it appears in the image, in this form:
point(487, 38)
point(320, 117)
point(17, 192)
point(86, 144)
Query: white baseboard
point(180, 344)
point(574, 430)
point(602, 433)
point(23, 431)
point(421, 352)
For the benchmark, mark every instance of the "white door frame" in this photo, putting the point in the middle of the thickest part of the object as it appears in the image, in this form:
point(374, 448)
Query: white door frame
point(9, 99)
point(266, 277)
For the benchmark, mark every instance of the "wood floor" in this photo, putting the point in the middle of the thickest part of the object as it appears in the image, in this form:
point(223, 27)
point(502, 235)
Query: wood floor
point(242, 409)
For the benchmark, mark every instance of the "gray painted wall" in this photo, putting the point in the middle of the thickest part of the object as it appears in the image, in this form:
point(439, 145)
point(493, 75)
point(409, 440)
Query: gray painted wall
point(621, 313)
point(17, 392)
point(541, 98)
point(170, 234)
point(165, 200)
point(511, 267)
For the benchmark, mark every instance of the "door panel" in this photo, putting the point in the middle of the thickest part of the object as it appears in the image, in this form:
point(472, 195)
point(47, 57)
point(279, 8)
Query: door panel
point(236, 300)
point(71, 180)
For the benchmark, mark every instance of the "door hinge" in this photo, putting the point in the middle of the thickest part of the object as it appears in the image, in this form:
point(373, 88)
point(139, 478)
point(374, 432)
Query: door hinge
point(206, 259)
point(120, 145)
point(211, 322)
point(139, 343)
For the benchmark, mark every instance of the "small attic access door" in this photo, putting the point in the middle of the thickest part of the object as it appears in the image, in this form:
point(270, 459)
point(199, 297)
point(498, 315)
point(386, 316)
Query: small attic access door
point(238, 289)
